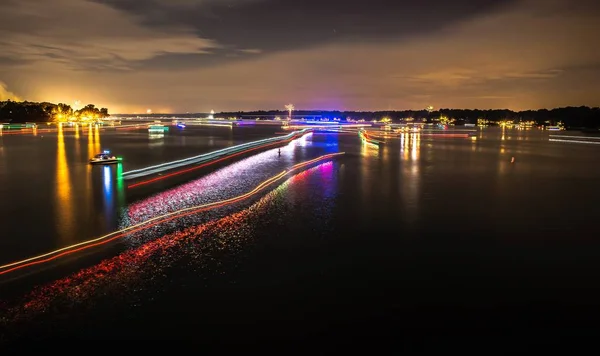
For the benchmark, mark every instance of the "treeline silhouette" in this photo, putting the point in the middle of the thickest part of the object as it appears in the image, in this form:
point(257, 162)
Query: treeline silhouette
point(572, 117)
point(29, 111)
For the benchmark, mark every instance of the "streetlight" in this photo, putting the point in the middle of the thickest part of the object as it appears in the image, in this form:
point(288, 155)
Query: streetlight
point(289, 108)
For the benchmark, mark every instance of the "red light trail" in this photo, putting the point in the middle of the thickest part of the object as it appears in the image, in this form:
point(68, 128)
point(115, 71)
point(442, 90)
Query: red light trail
point(68, 250)
point(207, 163)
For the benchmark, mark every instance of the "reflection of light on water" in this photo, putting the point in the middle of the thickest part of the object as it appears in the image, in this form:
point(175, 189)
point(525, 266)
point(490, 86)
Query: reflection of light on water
point(410, 146)
point(416, 146)
point(328, 180)
point(385, 152)
point(120, 186)
point(90, 146)
point(97, 146)
point(120, 189)
point(107, 175)
point(402, 138)
point(147, 263)
point(108, 193)
point(156, 140)
point(302, 141)
point(409, 183)
point(368, 149)
point(326, 170)
point(405, 146)
point(228, 181)
point(77, 143)
point(64, 204)
point(88, 172)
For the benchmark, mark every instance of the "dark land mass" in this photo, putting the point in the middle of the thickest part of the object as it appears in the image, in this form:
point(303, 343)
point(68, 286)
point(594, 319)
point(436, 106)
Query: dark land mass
point(582, 117)
point(29, 111)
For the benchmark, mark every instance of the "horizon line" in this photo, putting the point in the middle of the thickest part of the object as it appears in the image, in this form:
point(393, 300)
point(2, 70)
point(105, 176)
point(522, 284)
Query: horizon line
point(357, 111)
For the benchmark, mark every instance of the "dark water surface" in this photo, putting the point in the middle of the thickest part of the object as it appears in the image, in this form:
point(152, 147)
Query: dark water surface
point(420, 234)
point(52, 197)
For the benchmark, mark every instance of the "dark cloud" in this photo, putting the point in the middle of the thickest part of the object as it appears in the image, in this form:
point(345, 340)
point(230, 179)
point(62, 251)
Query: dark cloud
point(8, 61)
point(271, 25)
point(186, 61)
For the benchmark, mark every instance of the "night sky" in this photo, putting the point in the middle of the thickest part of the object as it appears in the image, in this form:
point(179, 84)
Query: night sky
point(198, 55)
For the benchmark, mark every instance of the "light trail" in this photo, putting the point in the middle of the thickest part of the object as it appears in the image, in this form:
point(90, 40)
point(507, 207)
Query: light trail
point(365, 138)
point(209, 124)
point(206, 156)
point(575, 141)
point(579, 137)
point(201, 165)
point(68, 250)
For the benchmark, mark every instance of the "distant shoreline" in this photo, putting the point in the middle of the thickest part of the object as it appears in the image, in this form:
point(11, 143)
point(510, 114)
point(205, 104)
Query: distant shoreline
point(571, 117)
point(14, 112)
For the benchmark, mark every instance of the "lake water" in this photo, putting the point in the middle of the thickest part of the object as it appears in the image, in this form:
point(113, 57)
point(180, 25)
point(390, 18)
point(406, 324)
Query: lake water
point(52, 197)
point(421, 233)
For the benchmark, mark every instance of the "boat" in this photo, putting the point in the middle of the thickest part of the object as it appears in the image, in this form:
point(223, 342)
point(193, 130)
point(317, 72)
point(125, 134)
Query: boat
point(158, 128)
point(104, 158)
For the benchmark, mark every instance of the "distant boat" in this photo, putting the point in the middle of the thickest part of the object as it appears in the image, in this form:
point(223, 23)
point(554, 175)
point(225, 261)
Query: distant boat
point(104, 158)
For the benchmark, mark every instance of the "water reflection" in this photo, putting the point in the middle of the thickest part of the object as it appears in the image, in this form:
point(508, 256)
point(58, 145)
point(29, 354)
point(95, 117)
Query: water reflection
point(90, 138)
point(410, 181)
point(97, 146)
point(148, 263)
point(108, 194)
point(328, 179)
point(416, 146)
point(369, 149)
point(405, 145)
point(64, 202)
point(234, 179)
point(120, 187)
point(303, 141)
point(77, 144)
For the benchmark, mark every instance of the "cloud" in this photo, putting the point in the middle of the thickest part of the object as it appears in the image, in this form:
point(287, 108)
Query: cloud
point(276, 25)
point(530, 54)
point(5, 94)
point(83, 34)
point(251, 50)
